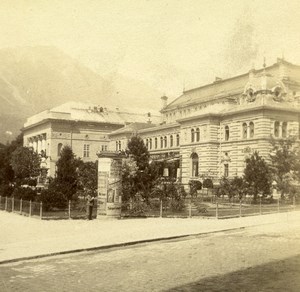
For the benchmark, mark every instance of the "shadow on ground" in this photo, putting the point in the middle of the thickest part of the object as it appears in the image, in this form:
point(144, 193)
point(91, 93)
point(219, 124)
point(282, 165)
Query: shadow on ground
point(283, 275)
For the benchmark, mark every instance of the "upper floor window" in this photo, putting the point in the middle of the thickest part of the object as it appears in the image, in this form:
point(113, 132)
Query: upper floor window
point(104, 147)
point(276, 129)
point(226, 170)
point(284, 129)
point(165, 142)
point(117, 145)
point(244, 131)
point(171, 140)
point(251, 127)
point(59, 147)
point(193, 135)
point(197, 134)
point(177, 140)
point(161, 142)
point(226, 133)
point(150, 143)
point(155, 143)
point(86, 150)
point(147, 143)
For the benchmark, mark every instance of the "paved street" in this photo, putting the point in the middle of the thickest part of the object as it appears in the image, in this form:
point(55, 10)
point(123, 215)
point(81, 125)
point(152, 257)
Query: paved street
point(261, 258)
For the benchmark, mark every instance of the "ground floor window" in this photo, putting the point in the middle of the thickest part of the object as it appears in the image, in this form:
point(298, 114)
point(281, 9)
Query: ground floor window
point(86, 150)
point(195, 164)
point(226, 170)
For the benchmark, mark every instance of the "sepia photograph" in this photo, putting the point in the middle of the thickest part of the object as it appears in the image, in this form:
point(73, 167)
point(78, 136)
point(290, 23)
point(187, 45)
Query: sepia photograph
point(149, 145)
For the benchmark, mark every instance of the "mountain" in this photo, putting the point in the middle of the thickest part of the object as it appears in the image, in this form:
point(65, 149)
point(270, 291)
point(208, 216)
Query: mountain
point(33, 79)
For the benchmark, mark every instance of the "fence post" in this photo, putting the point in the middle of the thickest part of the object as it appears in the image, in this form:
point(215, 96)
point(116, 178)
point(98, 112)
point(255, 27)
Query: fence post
point(12, 204)
point(160, 209)
point(30, 208)
point(69, 209)
point(260, 206)
point(278, 206)
point(41, 210)
point(240, 207)
point(217, 211)
point(5, 203)
point(21, 206)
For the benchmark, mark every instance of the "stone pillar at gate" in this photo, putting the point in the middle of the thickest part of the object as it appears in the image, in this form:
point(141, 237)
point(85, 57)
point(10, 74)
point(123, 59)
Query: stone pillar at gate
point(109, 184)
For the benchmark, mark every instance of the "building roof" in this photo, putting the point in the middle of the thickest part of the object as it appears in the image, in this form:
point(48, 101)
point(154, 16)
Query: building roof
point(132, 128)
point(224, 87)
point(76, 111)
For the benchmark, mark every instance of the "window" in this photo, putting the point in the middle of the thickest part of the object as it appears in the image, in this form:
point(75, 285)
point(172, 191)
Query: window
point(150, 143)
point(86, 150)
point(120, 145)
point(226, 133)
point(226, 170)
point(147, 143)
point(117, 145)
point(171, 141)
point(161, 142)
point(192, 135)
point(284, 129)
point(165, 142)
point(276, 129)
point(155, 143)
point(59, 147)
point(244, 131)
point(104, 147)
point(177, 140)
point(197, 134)
point(251, 126)
point(195, 164)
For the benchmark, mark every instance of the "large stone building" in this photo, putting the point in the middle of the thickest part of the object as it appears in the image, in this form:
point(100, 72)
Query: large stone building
point(82, 126)
point(211, 129)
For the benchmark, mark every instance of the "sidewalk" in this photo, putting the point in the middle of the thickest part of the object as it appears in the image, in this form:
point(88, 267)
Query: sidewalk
point(22, 237)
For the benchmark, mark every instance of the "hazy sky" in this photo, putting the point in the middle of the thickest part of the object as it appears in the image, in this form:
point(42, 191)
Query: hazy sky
point(166, 43)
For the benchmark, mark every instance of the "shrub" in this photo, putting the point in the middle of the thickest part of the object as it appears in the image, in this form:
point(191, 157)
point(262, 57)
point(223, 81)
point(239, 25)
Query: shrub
point(53, 198)
point(207, 183)
point(6, 190)
point(195, 185)
point(27, 194)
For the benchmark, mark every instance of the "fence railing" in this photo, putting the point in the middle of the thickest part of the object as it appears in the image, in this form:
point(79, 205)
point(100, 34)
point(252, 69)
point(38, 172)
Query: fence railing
point(73, 210)
point(200, 206)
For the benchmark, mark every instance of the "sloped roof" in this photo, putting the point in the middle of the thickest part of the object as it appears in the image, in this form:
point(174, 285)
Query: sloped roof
point(77, 111)
point(131, 128)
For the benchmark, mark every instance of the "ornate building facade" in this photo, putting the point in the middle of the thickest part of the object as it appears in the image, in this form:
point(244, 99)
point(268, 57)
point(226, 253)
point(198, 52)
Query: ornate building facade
point(82, 126)
point(210, 130)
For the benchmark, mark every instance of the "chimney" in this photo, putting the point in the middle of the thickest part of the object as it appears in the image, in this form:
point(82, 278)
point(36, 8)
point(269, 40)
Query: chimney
point(164, 101)
point(217, 79)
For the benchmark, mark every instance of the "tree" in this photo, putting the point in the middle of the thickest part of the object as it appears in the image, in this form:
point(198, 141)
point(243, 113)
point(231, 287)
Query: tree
point(87, 177)
point(66, 173)
point(138, 177)
point(207, 183)
point(257, 176)
point(285, 164)
point(25, 164)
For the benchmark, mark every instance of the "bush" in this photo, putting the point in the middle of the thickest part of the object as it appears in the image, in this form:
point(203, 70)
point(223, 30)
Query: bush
point(207, 183)
point(6, 190)
point(52, 198)
point(24, 193)
point(177, 204)
point(195, 185)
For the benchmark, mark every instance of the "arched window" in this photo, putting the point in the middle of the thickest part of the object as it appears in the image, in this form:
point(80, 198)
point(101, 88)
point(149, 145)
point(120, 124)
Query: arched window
point(147, 143)
point(59, 147)
point(276, 129)
point(177, 140)
point(251, 126)
point(171, 140)
point(197, 134)
point(244, 131)
point(161, 142)
point(284, 129)
point(150, 143)
point(195, 164)
point(226, 133)
point(117, 145)
point(120, 145)
point(192, 135)
point(155, 143)
point(165, 142)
